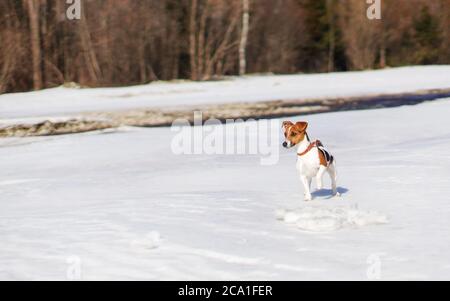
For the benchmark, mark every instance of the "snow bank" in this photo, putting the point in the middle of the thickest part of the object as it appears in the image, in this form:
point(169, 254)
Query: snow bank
point(327, 217)
point(67, 101)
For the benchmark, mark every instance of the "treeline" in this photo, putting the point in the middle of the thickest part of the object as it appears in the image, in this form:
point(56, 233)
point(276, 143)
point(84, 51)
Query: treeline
point(124, 42)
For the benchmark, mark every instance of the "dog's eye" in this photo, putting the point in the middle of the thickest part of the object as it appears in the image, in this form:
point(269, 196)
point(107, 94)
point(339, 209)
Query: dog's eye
point(293, 134)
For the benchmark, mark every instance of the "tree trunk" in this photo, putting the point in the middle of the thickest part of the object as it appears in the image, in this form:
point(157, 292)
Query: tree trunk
point(201, 41)
point(332, 33)
point(35, 38)
point(383, 51)
point(219, 54)
point(142, 63)
point(193, 40)
point(244, 37)
point(445, 10)
point(93, 65)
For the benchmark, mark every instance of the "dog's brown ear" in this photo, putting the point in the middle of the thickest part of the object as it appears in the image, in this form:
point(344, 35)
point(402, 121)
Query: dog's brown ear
point(286, 124)
point(301, 126)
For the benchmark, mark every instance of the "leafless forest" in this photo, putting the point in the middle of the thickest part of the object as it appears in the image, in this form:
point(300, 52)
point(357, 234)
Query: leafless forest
point(124, 42)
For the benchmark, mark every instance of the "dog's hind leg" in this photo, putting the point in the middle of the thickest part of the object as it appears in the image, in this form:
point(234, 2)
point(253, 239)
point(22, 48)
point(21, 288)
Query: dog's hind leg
point(333, 175)
point(319, 177)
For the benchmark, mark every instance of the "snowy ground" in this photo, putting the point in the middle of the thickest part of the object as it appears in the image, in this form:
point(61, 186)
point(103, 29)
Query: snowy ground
point(61, 102)
point(119, 205)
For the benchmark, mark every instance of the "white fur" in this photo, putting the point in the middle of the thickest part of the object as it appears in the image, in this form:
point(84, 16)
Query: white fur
point(309, 167)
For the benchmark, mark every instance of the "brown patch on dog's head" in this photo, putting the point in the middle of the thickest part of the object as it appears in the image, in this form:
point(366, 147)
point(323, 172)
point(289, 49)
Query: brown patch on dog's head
point(287, 123)
point(294, 133)
point(286, 126)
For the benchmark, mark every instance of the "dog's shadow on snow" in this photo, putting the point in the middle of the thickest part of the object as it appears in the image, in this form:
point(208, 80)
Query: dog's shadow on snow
point(329, 192)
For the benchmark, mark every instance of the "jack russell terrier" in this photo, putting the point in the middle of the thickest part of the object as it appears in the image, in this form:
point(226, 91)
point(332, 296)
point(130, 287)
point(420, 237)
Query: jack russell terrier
point(313, 159)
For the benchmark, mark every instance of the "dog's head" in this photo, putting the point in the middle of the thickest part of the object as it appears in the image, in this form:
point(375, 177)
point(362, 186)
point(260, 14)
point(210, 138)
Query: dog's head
point(294, 133)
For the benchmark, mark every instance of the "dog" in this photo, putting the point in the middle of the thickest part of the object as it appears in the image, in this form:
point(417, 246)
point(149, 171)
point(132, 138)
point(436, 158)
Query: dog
point(313, 159)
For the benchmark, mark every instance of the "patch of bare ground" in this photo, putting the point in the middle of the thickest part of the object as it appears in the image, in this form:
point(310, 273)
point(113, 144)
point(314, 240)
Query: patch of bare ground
point(50, 128)
point(262, 110)
point(267, 109)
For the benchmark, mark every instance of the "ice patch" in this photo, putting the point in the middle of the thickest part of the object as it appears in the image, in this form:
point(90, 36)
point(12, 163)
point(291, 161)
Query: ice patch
point(330, 218)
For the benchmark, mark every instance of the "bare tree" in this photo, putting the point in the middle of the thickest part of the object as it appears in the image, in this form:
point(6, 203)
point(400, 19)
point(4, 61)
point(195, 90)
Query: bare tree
point(244, 37)
point(92, 63)
point(8, 54)
point(276, 46)
point(444, 8)
point(332, 33)
point(193, 39)
point(360, 34)
point(35, 38)
point(213, 37)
